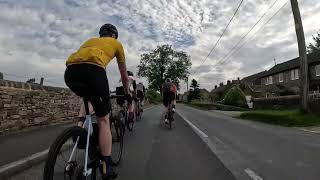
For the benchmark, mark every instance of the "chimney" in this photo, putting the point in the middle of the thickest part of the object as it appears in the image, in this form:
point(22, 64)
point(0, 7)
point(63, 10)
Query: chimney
point(41, 81)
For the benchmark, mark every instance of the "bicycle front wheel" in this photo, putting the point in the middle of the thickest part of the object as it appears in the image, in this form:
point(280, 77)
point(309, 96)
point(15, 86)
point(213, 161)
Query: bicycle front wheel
point(59, 165)
point(117, 141)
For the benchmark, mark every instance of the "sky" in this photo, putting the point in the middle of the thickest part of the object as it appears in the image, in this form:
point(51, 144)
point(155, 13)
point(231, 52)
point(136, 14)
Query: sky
point(36, 37)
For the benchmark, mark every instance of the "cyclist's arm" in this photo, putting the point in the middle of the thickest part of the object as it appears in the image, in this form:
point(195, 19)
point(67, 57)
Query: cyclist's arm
point(122, 68)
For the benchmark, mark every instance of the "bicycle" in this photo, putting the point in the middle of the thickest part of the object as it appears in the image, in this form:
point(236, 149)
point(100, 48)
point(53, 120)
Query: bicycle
point(125, 112)
point(169, 115)
point(77, 138)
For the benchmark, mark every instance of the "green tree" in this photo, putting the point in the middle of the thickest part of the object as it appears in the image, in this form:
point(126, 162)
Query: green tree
point(314, 47)
point(194, 92)
point(164, 62)
point(153, 96)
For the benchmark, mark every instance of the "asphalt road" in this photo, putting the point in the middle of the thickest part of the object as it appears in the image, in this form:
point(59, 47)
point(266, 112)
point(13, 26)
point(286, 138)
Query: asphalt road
point(253, 150)
point(17, 146)
point(152, 151)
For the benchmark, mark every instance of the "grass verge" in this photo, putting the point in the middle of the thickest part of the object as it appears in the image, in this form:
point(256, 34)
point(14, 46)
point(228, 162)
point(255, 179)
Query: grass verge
point(289, 118)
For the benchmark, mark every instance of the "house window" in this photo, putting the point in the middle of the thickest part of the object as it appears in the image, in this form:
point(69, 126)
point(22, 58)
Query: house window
point(318, 70)
point(281, 77)
point(294, 74)
point(270, 80)
point(267, 80)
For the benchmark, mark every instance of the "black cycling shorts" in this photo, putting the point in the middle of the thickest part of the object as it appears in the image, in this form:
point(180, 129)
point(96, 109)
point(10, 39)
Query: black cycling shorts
point(87, 80)
point(140, 95)
point(168, 97)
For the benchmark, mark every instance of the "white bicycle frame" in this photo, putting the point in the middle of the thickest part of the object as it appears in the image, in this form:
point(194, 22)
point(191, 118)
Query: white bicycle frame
point(89, 128)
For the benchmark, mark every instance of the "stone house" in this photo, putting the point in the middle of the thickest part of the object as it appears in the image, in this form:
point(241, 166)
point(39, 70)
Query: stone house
point(218, 93)
point(284, 78)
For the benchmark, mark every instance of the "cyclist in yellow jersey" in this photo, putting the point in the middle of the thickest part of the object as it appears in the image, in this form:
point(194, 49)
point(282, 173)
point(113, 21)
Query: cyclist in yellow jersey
point(87, 66)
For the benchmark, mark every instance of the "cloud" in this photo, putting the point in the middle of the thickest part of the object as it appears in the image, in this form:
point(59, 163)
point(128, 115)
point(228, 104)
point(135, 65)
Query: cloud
point(37, 37)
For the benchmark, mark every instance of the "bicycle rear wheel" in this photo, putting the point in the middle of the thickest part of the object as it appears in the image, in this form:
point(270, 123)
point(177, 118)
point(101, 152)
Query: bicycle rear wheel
point(130, 125)
point(58, 166)
point(170, 120)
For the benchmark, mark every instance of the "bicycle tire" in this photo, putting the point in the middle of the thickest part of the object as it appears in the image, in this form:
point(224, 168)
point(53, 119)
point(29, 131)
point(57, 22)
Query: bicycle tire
point(140, 111)
point(122, 117)
point(170, 123)
point(56, 147)
point(117, 138)
point(130, 125)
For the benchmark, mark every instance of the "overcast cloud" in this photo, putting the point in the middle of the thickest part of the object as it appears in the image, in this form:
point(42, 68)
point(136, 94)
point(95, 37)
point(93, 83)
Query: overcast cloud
point(36, 37)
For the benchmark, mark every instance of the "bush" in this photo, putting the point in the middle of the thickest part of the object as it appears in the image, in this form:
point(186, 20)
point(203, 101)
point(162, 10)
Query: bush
point(235, 97)
point(153, 96)
point(287, 92)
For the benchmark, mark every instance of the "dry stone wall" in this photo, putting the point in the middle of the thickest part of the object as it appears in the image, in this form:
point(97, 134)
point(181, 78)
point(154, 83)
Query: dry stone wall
point(24, 105)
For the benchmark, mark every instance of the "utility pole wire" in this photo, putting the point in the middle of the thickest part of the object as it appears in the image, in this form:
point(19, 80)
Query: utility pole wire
point(243, 37)
point(258, 31)
point(224, 31)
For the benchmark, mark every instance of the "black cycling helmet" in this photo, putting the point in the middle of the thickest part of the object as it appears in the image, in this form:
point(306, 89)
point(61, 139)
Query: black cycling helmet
point(168, 80)
point(108, 30)
point(130, 73)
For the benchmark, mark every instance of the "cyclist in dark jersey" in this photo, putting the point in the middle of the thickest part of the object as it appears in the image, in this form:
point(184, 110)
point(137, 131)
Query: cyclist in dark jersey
point(169, 91)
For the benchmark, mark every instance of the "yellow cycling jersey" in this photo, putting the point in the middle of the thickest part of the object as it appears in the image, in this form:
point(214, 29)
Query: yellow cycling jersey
point(98, 51)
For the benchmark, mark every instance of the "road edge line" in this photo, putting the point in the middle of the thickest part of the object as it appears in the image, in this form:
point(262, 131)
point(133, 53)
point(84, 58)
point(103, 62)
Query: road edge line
point(8, 170)
point(309, 131)
point(252, 174)
point(195, 128)
point(205, 138)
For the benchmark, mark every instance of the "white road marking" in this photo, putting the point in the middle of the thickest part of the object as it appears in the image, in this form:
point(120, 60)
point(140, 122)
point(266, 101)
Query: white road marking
point(310, 131)
point(219, 140)
point(252, 174)
point(193, 126)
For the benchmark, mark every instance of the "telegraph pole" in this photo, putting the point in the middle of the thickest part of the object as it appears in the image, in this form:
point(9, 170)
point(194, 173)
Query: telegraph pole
point(304, 85)
point(187, 83)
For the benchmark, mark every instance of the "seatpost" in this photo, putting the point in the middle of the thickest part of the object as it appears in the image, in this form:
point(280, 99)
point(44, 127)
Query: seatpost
point(86, 105)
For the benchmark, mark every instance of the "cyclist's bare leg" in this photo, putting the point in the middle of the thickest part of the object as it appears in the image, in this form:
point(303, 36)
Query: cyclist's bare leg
point(105, 138)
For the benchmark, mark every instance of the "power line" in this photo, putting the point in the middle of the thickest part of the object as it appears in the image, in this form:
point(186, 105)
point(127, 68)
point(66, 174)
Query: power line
point(230, 54)
point(225, 29)
point(243, 37)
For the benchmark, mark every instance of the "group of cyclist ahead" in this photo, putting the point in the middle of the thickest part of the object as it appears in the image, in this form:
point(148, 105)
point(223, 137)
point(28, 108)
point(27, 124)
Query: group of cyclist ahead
point(86, 76)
